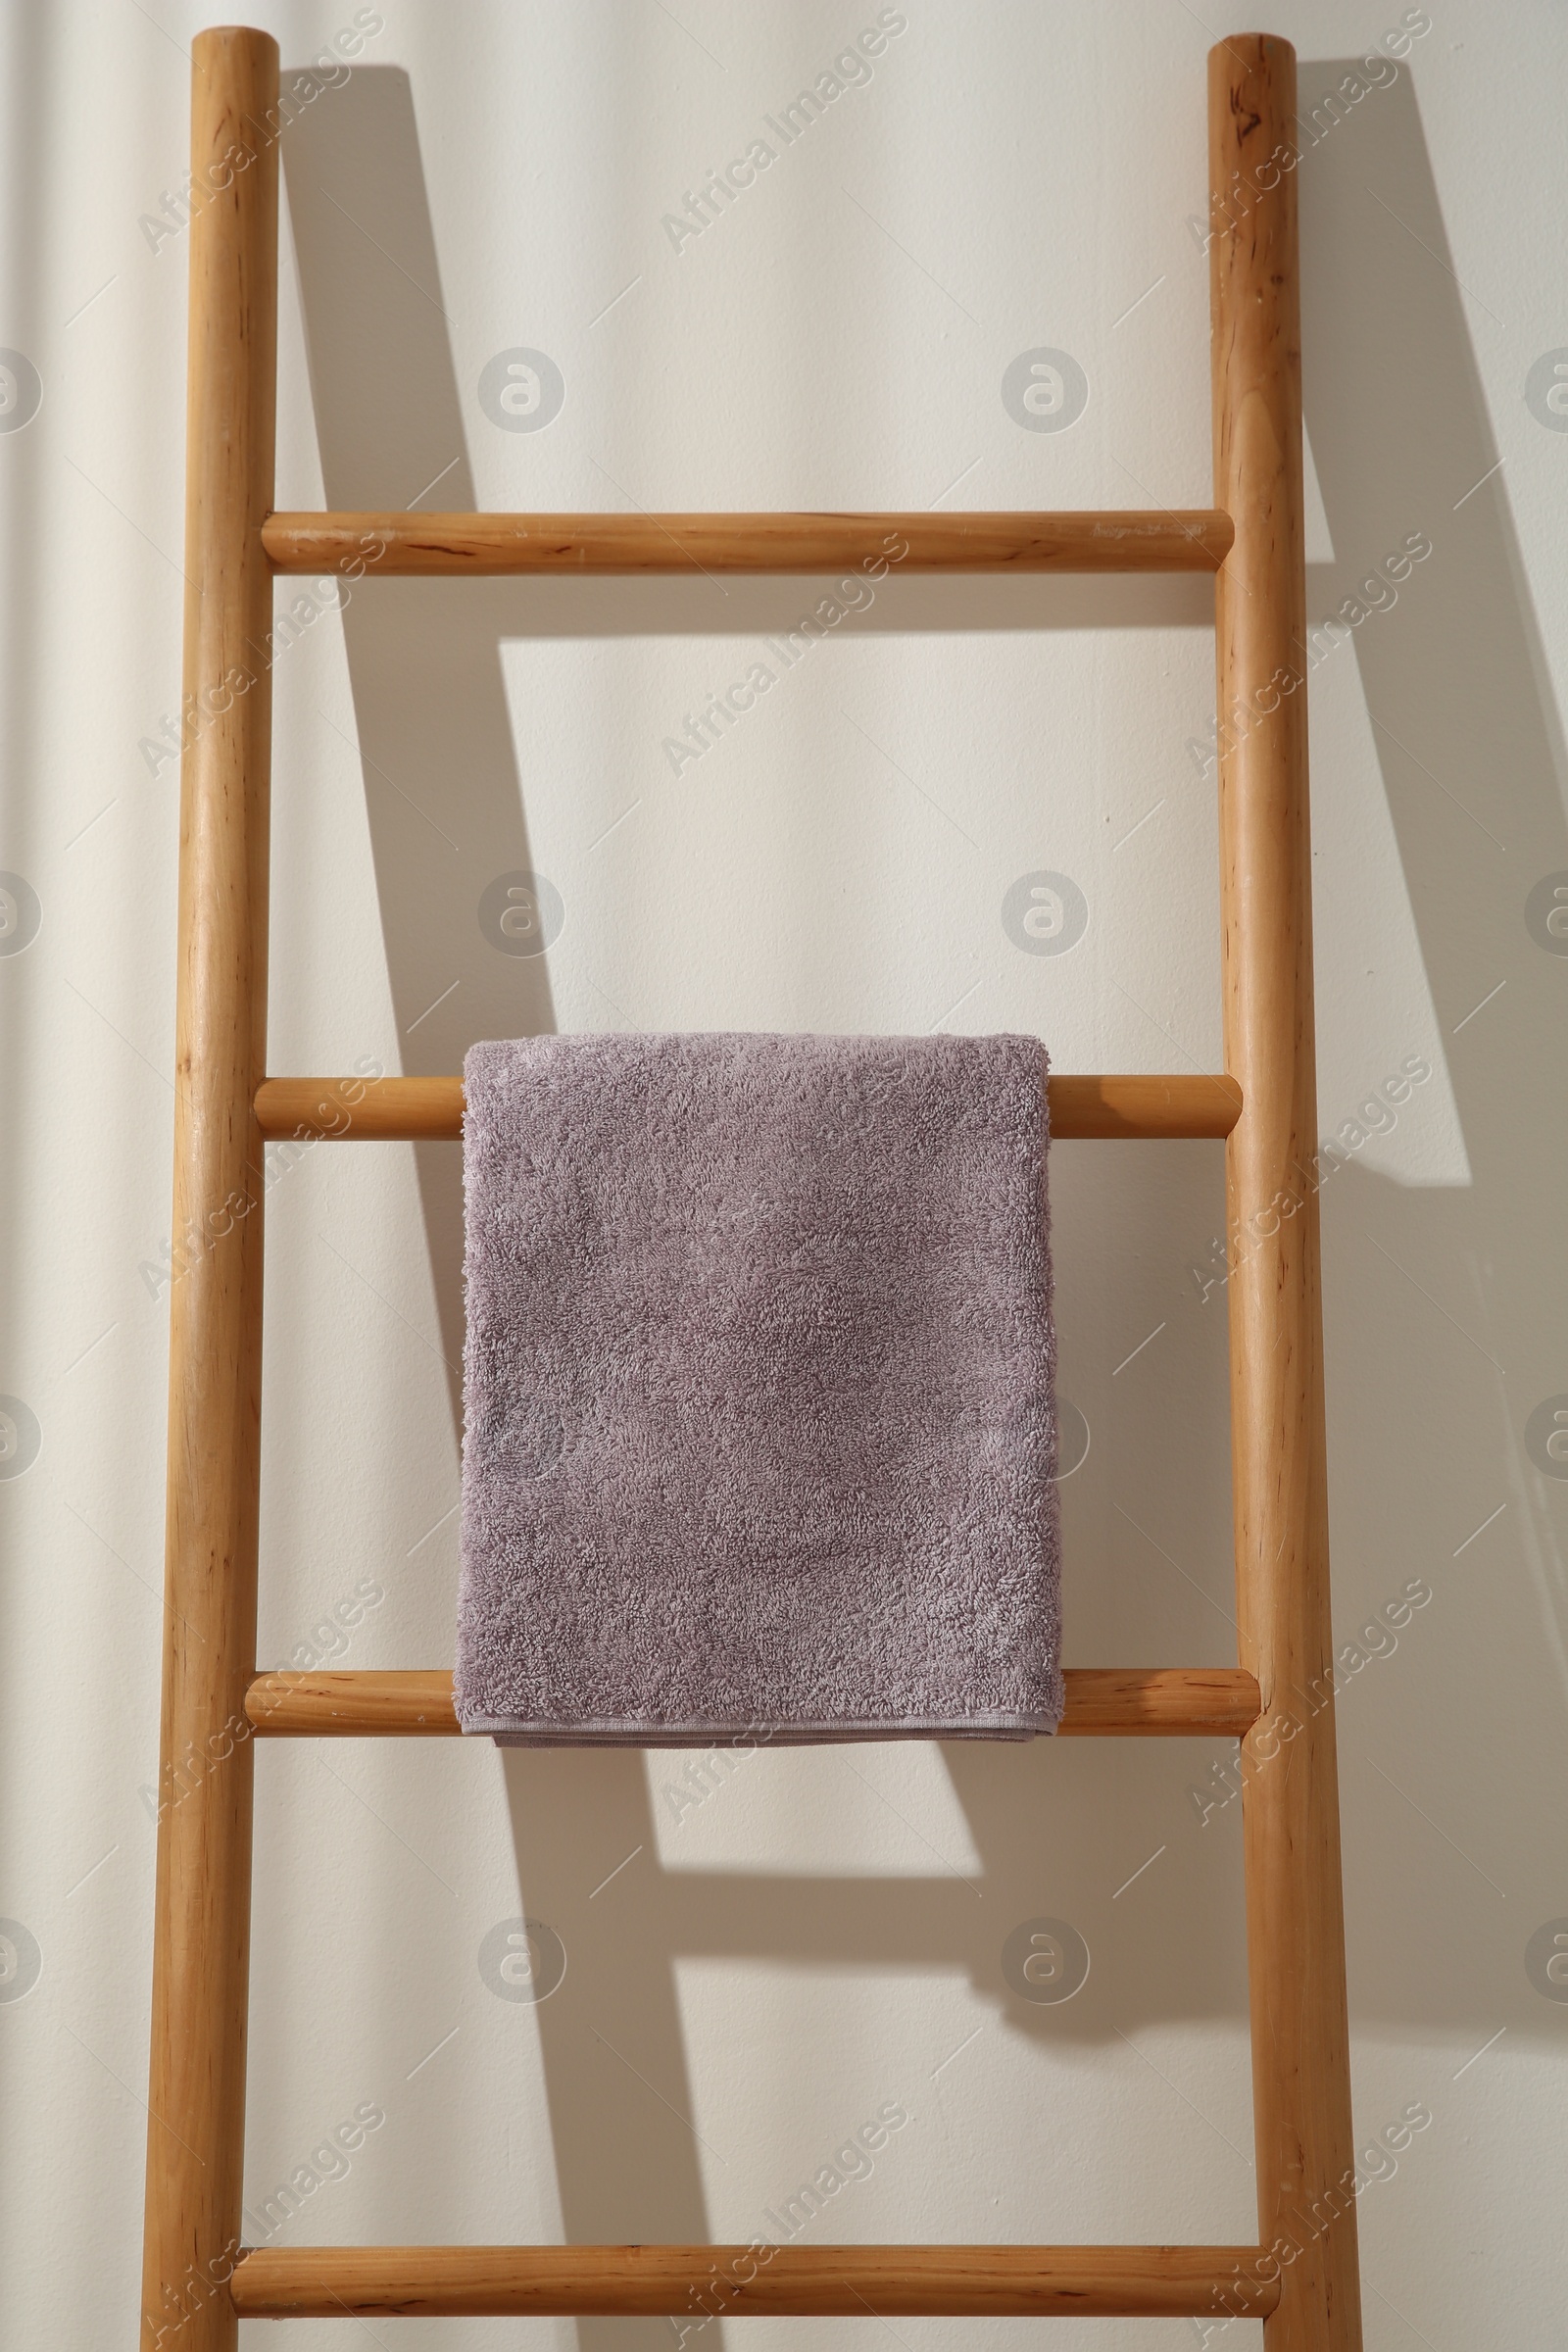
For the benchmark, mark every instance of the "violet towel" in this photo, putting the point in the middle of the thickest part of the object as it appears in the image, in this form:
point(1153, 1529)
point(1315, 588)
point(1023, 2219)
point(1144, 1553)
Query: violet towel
point(760, 1432)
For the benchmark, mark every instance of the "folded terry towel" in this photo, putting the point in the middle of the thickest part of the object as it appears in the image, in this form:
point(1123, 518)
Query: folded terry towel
point(760, 1432)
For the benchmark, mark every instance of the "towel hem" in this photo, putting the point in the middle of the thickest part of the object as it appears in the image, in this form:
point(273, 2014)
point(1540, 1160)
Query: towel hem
point(517, 1731)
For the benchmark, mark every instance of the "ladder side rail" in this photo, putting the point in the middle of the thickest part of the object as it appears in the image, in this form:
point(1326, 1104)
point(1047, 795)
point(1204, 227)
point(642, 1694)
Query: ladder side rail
point(196, 2093)
point(1294, 1905)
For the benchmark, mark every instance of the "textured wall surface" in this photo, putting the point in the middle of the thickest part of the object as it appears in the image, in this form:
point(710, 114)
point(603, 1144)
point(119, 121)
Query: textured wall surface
point(500, 289)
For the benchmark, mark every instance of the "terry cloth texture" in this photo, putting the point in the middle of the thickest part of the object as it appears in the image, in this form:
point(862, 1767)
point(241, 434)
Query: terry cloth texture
point(760, 1437)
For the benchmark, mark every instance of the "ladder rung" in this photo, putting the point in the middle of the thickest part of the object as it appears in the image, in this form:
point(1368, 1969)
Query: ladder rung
point(1182, 1702)
point(1194, 539)
point(424, 1109)
point(282, 2282)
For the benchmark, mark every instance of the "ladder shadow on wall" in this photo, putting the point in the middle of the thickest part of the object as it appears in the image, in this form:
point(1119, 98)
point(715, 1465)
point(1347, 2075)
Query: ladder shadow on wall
point(424, 662)
point(1438, 1316)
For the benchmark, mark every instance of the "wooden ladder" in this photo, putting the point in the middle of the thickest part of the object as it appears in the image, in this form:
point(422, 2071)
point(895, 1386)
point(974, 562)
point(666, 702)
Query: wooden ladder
point(1301, 2277)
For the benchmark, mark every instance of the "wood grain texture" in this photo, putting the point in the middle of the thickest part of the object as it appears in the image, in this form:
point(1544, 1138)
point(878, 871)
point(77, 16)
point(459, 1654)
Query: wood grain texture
point(342, 1703)
point(384, 546)
point(1182, 1702)
point(425, 1109)
point(849, 2282)
point(1300, 2066)
point(196, 2095)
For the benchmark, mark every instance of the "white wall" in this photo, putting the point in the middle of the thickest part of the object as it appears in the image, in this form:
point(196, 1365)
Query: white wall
point(823, 1934)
